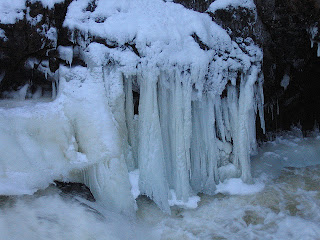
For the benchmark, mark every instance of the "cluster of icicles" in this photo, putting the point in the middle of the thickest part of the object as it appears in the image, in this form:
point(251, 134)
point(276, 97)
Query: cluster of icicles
point(188, 142)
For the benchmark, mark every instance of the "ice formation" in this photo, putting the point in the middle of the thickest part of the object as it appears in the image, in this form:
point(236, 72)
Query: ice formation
point(313, 31)
point(199, 94)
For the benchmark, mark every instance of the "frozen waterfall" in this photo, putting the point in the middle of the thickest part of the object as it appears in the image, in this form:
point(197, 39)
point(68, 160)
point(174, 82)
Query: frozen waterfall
point(196, 119)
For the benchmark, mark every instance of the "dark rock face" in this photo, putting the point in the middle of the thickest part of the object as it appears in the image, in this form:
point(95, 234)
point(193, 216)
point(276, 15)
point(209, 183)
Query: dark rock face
point(33, 37)
point(287, 51)
point(72, 189)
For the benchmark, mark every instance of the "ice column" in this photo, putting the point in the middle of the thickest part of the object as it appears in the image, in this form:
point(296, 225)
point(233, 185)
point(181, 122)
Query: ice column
point(129, 110)
point(85, 102)
point(152, 181)
point(203, 147)
point(175, 109)
point(246, 122)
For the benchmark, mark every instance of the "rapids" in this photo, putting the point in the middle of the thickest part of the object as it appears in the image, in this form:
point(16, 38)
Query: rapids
point(283, 203)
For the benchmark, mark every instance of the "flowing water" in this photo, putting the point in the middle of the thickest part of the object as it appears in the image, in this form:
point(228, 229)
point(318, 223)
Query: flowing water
point(287, 207)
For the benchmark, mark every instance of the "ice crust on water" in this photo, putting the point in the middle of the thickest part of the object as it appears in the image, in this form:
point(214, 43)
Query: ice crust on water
point(290, 149)
point(197, 107)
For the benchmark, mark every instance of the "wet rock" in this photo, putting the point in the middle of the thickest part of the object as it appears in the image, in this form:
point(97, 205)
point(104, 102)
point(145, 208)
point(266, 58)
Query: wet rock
point(73, 189)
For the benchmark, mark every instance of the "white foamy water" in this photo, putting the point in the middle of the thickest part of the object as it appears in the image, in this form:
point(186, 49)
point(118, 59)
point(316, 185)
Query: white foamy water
point(283, 203)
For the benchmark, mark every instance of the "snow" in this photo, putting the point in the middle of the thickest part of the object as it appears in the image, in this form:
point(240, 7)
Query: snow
point(222, 4)
point(11, 11)
point(47, 3)
point(51, 34)
point(33, 21)
point(191, 203)
point(161, 31)
point(285, 81)
point(235, 186)
point(66, 53)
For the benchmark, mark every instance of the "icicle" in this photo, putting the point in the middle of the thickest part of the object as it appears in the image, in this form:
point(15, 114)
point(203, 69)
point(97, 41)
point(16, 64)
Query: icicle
point(220, 124)
point(181, 127)
point(244, 124)
point(252, 130)
point(2, 75)
point(197, 164)
point(233, 107)
point(152, 181)
point(165, 109)
point(129, 111)
point(175, 117)
point(110, 185)
point(114, 84)
point(203, 147)
point(212, 148)
point(260, 103)
point(226, 118)
point(54, 90)
point(66, 53)
point(22, 92)
point(72, 37)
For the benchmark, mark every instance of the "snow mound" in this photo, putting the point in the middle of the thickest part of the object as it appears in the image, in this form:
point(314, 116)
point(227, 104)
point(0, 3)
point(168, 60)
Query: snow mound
point(235, 186)
point(192, 201)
